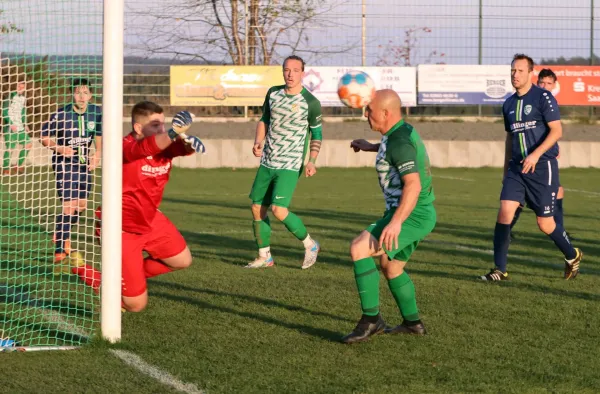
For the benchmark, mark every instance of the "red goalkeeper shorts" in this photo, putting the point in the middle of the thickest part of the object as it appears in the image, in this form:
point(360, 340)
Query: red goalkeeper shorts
point(162, 242)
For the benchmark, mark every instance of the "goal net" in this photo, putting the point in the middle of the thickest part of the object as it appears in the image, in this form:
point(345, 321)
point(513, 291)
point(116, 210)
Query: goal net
point(51, 97)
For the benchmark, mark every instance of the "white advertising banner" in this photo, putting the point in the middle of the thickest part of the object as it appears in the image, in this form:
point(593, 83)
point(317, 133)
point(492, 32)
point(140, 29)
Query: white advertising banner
point(323, 82)
point(464, 84)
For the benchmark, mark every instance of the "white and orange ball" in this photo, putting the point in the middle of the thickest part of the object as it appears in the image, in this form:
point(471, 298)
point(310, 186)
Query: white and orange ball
point(356, 89)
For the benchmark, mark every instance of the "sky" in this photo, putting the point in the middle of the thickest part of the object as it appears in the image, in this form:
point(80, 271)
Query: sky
point(445, 30)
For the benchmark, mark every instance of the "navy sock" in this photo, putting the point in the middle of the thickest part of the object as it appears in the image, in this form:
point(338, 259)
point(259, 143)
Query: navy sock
point(501, 242)
point(558, 213)
point(516, 218)
point(559, 236)
point(63, 230)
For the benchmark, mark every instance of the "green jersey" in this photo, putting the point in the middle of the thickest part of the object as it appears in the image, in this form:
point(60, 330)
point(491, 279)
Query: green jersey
point(289, 120)
point(402, 152)
point(14, 112)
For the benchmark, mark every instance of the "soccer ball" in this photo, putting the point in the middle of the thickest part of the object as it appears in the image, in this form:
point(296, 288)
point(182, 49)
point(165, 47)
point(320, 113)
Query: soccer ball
point(356, 89)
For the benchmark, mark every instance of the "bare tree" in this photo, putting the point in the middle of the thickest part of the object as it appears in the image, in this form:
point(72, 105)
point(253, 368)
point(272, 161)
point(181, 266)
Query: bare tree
point(234, 31)
point(405, 53)
point(8, 27)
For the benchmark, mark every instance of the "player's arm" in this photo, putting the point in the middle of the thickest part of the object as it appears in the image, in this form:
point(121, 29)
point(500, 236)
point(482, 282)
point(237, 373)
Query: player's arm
point(24, 118)
point(507, 152)
point(259, 137)
point(5, 117)
point(262, 127)
point(364, 145)
point(49, 130)
point(404, 159)
point(552, 138)
point(316, 130)
point(9, 119)
point(508, 141)
point(551, 116)
point(96, 157)
point(316, 135)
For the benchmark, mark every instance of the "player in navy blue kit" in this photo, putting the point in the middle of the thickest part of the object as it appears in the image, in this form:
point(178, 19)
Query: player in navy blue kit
point(547, 80)
point(532, 123)
point(70, 133)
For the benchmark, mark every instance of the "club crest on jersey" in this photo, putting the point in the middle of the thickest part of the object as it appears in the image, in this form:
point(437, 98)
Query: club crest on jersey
point(527, 109)
point(91, 125)
point(294, 107)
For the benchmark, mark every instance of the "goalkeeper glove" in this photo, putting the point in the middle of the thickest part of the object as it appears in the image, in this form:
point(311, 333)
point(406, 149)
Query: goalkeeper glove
point(181, 123)
point(196, 144)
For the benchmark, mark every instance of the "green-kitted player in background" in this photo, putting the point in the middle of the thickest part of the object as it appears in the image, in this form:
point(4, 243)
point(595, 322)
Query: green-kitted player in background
point(404, 173)
point(16, 131)
point(291, 118)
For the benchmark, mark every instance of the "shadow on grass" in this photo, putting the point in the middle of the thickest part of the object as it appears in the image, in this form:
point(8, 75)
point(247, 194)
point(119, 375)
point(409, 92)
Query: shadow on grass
point(250, 298)
point(321, 333)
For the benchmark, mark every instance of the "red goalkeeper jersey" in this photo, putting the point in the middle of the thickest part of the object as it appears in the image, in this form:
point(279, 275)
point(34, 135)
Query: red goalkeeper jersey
point(146, 172)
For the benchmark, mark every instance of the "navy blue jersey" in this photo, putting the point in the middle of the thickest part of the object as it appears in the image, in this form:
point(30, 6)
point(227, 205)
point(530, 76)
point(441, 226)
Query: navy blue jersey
point(75, 130)
point(527, 118)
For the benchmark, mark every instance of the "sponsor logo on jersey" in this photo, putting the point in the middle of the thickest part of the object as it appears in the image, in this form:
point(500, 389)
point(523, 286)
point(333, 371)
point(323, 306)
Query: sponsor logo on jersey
point(149, 170)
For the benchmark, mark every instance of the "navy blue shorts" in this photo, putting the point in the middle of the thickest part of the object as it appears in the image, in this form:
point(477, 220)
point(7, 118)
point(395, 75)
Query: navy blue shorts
point(538, 189)
point(73, 182)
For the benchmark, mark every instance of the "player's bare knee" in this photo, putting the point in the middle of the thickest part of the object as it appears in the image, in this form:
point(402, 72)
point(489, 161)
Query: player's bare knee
point(507, 210)
point(391, 268)
point(279, 212)
point(180, 261)
point(136, 304)
point(546, 225)
point(185, 259)
point(257, 211)
point(69, 209)
point(360, 248)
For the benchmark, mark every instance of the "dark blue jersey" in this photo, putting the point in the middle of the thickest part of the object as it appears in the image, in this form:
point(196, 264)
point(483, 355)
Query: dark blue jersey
point(526, 118)
point(75, 130)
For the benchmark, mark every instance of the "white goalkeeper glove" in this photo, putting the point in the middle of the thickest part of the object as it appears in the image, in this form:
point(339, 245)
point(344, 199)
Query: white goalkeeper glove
point(181, 123)
point(196, 144)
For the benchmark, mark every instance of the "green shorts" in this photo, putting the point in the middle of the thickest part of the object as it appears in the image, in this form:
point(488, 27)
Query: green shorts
point(419, 224)
point(274, 187)
point(12, 139)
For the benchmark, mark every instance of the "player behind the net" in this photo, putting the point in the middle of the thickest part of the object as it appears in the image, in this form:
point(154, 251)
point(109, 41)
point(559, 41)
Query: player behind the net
point(16, 131)
point(69, 134)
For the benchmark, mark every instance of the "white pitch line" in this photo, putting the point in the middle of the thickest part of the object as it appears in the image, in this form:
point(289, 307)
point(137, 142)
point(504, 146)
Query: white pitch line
point(453, 178)
point(583, 192)
point(163, 377)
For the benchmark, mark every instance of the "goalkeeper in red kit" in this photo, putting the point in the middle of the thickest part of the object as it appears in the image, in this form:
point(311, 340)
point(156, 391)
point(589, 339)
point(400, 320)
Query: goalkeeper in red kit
point(147, 155)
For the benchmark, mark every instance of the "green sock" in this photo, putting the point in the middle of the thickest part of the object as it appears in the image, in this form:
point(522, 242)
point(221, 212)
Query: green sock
point(403, 290)
point(262, 232)
point(6, 162)
point(295, 226)
point(367, 282)
point(23, 155)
